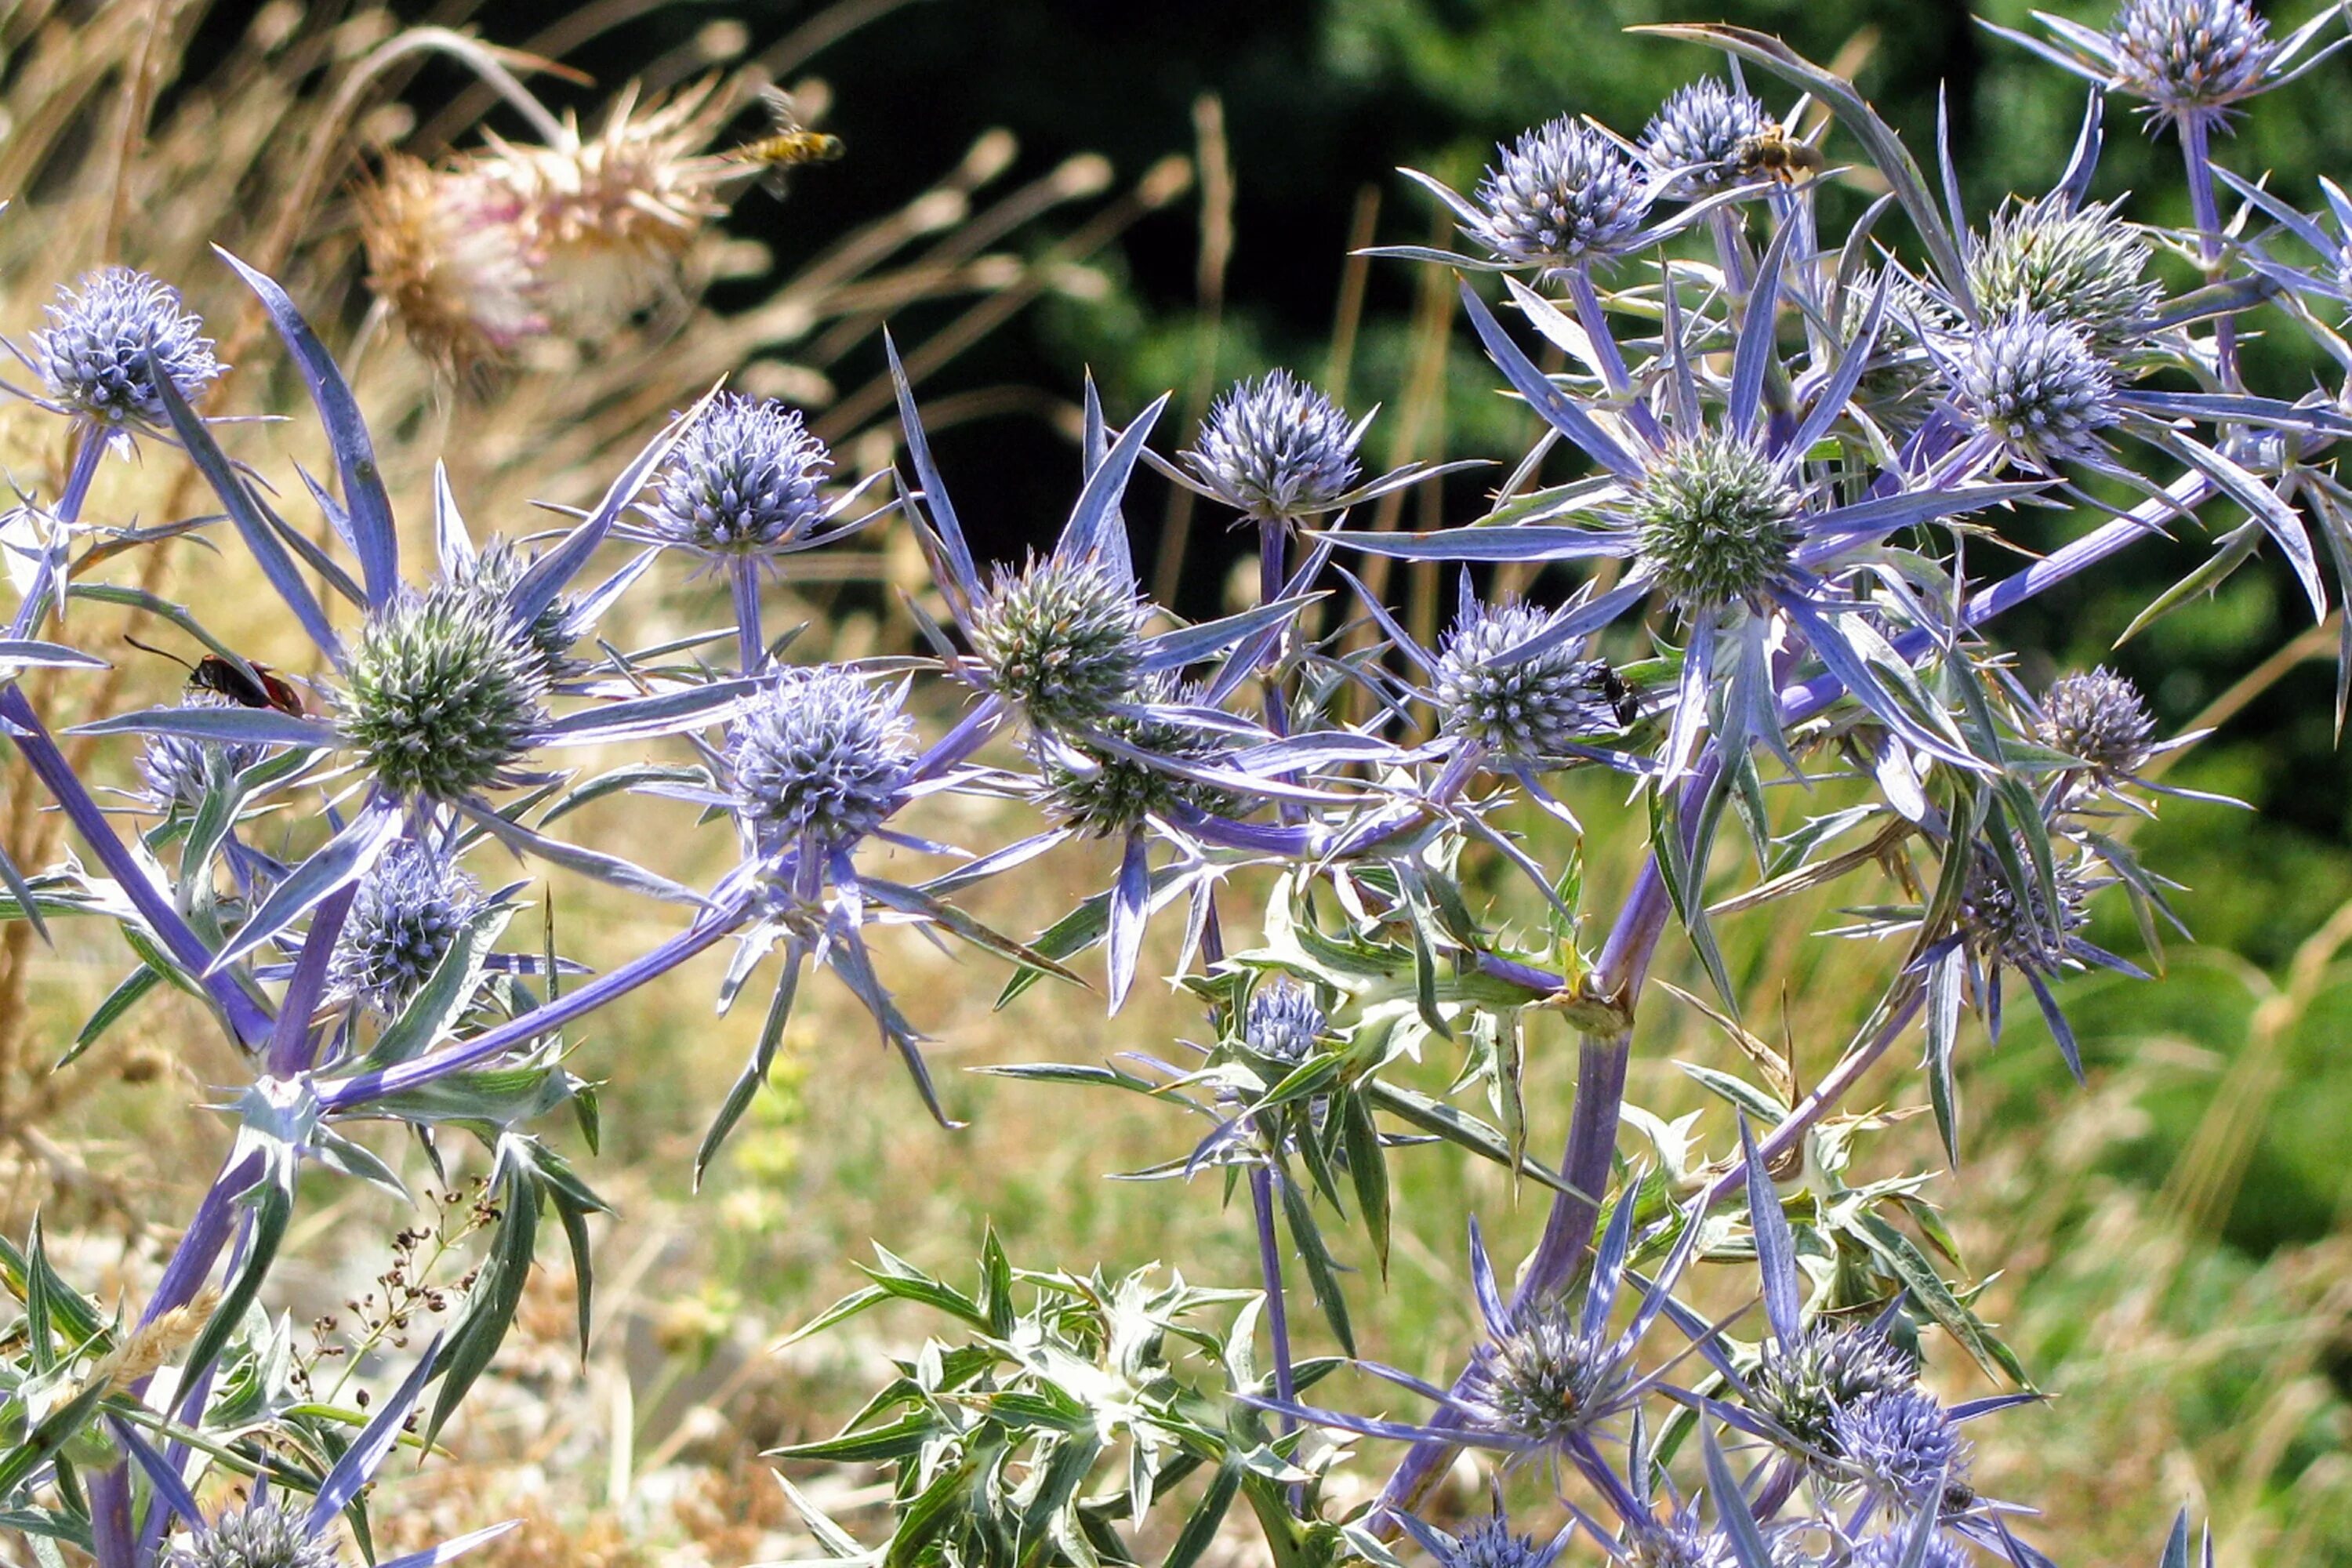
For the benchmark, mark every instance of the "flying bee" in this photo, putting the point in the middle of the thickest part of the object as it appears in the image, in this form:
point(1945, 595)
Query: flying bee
point(1772, 152)
point(787, 144)
point(249, 685)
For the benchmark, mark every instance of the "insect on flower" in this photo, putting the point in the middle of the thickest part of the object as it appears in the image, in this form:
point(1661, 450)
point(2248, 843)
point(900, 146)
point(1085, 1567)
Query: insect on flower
point(786, 146)
point(243, 682)
point(1773, 153)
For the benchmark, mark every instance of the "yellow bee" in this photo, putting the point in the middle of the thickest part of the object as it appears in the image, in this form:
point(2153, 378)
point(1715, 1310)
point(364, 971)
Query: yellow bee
point(787, 144)
point(1772, 153)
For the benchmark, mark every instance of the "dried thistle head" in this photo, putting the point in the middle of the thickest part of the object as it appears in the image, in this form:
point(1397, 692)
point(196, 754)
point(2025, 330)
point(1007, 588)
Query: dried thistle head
point(454, 254)
point(614, 212)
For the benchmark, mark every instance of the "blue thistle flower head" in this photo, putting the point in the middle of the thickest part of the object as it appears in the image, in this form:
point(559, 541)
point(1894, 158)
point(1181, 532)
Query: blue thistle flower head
point(267, 1535)
point(1561, 194)
point(1534, 706)
point(1537, 1379)
point(2101, 718)
point(443, 694)
point(2038, 387)
point(180, 770)
point(819, 759)
point(1284, 1021)
point(1902, 1442)
point(2191, 59)
point(94, 356)
point(1061, 637)
point(409, 908)
point(2083, 266)
point(491, 575)
point(1886, 1551)
point(1715, 519)
point(1681, 1541)
point(1696, 130)
point(743, 482)
point(1275, 448)
point(1803, 1390)
point(2034, 934)
point(1488, 1543)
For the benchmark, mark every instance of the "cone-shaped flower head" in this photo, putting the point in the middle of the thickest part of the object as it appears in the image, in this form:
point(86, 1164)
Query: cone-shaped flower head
point(2038, 387)
point(1534, 1378)
point(409, 908)
point(2082, 266)
point(1275, 448)
point(1903, 1443)
point(2031, 935)
point(1488, 1543)
point(1062, 639)
point(180, 770)
point(2100, 718)
point(1561, 193)
point(1716, 520)
point(1831, 1369)
point(1283, 1022)
point(820, 758)
point(1535, 706)
point(742, 480)
point(1888, 1552)
point(491, 576)
point(271, 1535)
point(1108, 795)
point(443, 694)
point(2190, 59)
point(1696, 130)
point(94, 356)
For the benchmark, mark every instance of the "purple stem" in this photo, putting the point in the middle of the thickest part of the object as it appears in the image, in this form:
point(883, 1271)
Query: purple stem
point(290, 1043)
point(1269, 1263)
point(352, 1092)
point(201, 1243)
point(110, 1518)
point(246, 1018)
point(2195, 154)
point(750, 642)
point(78, 475)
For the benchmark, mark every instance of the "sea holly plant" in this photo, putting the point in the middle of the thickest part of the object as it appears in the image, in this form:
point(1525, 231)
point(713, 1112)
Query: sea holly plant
point(1745, 586)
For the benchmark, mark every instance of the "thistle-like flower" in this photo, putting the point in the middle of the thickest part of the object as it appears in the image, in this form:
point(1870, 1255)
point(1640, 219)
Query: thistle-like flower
point(743, 481)
point(1902, 1443)
point(2100, 718)
point(1530, 708)
point(451, 250)
point(1062, 639)
point(443, 694)
point(612, 213)
point(2082, 266)
point(410, 907)
point(266, 1535)
point(1108, 794)
point(2189, 62)
point(1561, 194)
point(1488, 1543)
point(1831, 1368)
point(1284, 1021)
point(2034, 934)
point(1275, 448)
point(819, 759)
point(2191, 59)
point(1891, 1551)
point(1715, 521)
point(181, 770)
point(1697, 129)
point(491, 574)
point(109, 332)
point(1535, 1379)
point(2036, 387)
